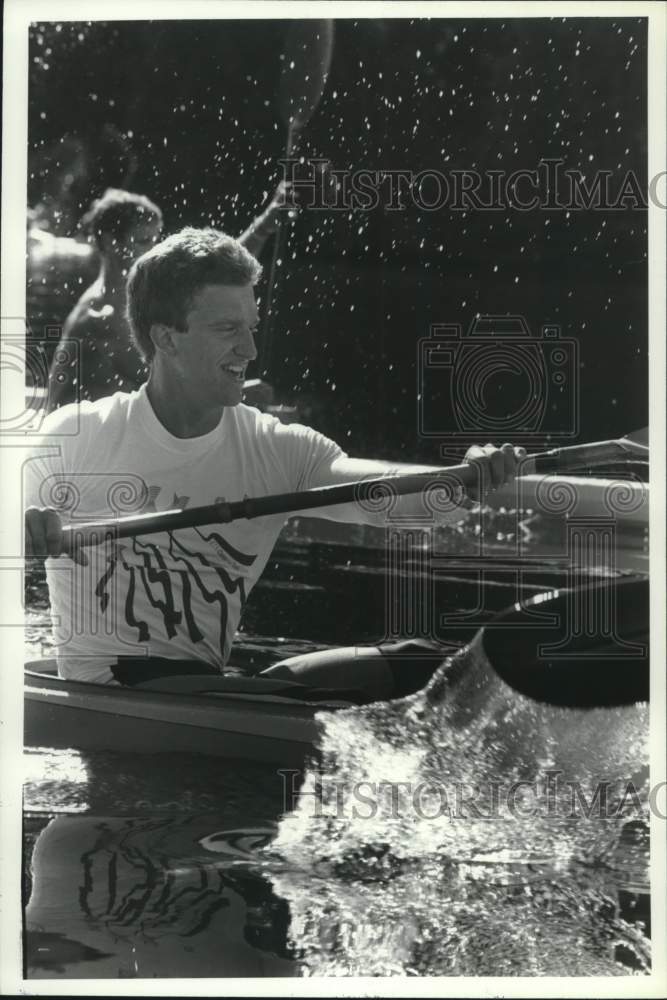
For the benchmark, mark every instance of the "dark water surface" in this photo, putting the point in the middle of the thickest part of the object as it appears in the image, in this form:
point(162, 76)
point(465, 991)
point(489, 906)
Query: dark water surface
point(177, 866)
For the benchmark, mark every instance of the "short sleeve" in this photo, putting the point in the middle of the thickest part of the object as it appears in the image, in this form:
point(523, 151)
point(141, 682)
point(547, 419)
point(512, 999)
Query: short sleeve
point(46, 479)
point(307, 456)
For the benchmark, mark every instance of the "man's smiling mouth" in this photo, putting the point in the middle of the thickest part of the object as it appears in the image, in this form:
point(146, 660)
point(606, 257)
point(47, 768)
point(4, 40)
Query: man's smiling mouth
point(235, 371)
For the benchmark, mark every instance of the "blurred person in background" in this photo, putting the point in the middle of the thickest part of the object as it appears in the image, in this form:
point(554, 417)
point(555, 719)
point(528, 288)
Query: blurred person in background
point(95, 356)
point(61, 263)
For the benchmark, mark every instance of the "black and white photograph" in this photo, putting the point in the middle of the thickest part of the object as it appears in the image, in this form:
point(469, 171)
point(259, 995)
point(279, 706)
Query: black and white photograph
point(333, 532)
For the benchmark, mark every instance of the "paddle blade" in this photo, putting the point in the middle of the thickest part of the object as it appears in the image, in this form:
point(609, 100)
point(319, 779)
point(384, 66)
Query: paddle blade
point(306, 62)
point(585, 647)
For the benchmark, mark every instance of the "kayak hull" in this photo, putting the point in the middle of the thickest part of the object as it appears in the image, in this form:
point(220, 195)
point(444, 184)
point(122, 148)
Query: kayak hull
point(65, 714)
point(538, 648)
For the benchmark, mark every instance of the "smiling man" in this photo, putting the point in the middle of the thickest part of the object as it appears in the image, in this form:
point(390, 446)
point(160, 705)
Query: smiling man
point(192, 310)
point(96, 355)
point(171, 602)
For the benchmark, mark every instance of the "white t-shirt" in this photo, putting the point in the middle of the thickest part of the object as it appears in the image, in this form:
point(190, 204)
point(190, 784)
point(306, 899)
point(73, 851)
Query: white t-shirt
point(176, 594)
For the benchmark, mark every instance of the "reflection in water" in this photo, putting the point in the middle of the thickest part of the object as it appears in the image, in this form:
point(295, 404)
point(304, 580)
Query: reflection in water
point(53, 953)
point(166, 895)
point(142, 897)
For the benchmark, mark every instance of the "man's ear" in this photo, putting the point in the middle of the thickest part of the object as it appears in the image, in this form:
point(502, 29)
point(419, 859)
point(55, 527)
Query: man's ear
point(163, 338)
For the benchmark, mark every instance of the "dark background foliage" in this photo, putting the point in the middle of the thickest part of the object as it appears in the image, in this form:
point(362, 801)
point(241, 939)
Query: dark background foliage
point(186, 113)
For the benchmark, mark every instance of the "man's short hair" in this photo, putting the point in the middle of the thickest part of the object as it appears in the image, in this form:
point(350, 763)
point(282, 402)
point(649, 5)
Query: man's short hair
point(116, 213)
point(163, 282)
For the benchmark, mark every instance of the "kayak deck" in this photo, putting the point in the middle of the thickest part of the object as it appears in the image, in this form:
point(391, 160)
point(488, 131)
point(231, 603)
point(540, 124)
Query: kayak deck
point(262, 726)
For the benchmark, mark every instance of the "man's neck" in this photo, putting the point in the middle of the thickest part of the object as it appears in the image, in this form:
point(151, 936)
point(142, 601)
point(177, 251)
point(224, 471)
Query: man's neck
point(114, 281)
point(179, 411)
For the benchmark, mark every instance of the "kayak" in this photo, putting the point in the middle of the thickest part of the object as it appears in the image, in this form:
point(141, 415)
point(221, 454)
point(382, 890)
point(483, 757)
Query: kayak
point(276, 722)
point(224, 716)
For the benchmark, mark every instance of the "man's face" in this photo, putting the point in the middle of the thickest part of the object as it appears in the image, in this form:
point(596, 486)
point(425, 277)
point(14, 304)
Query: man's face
point(218, 343)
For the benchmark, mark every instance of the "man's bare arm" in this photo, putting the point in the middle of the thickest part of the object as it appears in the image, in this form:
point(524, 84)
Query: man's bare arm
point(64, 373)
point(265, 225)
point(496, 466)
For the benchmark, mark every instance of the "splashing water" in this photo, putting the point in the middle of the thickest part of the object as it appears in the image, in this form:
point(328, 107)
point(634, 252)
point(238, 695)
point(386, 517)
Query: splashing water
point(468, 830)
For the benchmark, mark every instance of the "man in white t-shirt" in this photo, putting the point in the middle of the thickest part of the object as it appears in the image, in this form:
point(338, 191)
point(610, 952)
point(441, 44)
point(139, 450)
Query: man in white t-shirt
point(124, 225)
point(172, 601)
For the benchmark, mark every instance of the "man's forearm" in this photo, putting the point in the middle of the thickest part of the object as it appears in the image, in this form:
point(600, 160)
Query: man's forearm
point(444, 509)
point(257, 233)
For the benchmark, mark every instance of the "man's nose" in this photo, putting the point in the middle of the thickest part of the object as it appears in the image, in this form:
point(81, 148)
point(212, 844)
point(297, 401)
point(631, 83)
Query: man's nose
point(248, 347)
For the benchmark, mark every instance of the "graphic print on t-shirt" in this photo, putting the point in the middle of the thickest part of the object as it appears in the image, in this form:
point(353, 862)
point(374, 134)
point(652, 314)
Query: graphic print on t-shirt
point(175, 575)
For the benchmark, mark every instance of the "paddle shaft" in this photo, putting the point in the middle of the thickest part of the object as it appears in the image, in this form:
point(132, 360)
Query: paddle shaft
point(367, 491)
point(306, 63)
point(266, 343)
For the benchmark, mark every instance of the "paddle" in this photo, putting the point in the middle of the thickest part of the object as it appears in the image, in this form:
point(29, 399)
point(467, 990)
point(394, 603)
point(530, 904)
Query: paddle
point(306, 62)
point(629, 448)
point(593, 652)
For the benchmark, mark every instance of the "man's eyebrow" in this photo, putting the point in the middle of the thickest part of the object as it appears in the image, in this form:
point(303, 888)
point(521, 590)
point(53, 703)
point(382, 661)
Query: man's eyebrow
point(216, 323)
